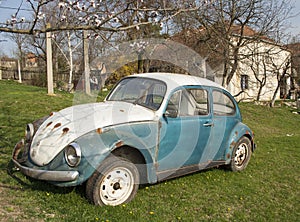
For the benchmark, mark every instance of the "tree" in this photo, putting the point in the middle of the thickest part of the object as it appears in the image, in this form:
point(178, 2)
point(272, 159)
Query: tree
point(225, 25)
point(96, 15)
point(282, 70)
point(260, 70)
point(93, 15)
point(21, 42)
point(229, 25)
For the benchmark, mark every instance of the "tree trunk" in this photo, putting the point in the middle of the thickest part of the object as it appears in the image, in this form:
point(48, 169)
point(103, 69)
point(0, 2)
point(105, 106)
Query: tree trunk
point(272, 103)
point(146, 65)
point(234, 66)
point(259, 92)
point(140, 63)
point(280, 78)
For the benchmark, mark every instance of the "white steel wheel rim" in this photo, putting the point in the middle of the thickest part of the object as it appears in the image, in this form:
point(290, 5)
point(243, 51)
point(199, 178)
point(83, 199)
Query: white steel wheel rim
point(240, 155)
point(116, 186)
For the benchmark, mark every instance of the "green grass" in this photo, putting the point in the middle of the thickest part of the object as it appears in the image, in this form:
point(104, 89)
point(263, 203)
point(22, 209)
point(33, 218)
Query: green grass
point(268, 190)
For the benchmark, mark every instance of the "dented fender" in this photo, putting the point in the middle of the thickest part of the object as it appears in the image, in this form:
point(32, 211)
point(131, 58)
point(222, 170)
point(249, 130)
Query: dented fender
point(100, 143)
point(238, 131)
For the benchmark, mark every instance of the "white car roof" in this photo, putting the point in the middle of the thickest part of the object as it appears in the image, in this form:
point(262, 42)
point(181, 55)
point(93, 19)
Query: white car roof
point(174, 80)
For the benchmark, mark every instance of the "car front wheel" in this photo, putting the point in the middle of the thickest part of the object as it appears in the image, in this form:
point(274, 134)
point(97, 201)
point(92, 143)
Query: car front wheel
point(241, 155)
point(115, 182)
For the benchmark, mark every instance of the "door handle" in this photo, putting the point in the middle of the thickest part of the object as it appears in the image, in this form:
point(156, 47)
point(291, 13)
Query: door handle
point(208, 124)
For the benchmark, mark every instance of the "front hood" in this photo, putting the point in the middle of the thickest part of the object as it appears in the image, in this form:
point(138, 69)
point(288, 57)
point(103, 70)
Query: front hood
point(65, 126)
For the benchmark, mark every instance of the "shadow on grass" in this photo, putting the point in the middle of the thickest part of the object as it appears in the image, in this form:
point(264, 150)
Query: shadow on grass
point(223, 168)
point(28, 183)
point(32, 184)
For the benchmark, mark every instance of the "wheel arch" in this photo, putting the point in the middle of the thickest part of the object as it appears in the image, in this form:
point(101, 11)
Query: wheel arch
point(142, 159)
point(251, 138)
point(239, 131)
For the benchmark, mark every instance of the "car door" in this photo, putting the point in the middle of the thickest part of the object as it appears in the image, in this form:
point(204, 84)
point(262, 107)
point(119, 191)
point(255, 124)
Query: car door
point(185, 129)
point(224, 118)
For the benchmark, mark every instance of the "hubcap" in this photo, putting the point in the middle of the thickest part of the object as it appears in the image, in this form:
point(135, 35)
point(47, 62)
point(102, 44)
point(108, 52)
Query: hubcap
point(240, 155)
point(116, 186)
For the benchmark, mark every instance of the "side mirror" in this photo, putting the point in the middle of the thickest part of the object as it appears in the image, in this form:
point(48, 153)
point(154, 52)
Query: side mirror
point(171, 113)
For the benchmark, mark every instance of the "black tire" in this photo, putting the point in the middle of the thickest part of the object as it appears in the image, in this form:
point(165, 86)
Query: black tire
point(115, 182)
point(241, 155)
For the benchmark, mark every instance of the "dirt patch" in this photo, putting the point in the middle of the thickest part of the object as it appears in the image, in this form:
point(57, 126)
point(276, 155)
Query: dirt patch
point(9, 211)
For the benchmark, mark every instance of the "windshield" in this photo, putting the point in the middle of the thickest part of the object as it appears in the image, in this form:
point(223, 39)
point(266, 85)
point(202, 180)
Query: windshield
point(142, 91)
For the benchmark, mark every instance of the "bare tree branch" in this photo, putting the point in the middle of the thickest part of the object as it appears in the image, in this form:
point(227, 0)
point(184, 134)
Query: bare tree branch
point(88, 16)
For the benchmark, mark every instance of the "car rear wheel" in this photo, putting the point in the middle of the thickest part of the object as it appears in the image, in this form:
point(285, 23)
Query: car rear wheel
point(241, 155)
point(115, 182)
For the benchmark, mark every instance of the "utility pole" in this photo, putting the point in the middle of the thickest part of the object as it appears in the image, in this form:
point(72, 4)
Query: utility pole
point(49, 62)
point(86, 62)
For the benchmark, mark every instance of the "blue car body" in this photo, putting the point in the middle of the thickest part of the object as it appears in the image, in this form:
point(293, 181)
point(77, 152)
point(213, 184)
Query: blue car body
point(165, 139)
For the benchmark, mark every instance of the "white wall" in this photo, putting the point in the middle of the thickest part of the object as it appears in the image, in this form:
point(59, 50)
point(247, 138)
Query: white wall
point(255, 54)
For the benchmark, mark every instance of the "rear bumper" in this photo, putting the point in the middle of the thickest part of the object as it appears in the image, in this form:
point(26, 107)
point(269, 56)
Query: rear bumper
point(254, 147)
point(48, 175)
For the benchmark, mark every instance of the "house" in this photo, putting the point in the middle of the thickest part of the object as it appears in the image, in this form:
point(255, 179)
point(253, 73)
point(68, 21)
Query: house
point(8, 67)
point(31, 60)
point(254, 68)
point(265, 67)
point(7, 62)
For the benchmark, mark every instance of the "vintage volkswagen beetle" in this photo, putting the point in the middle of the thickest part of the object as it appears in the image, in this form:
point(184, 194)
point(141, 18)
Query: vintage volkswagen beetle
point(151, 127)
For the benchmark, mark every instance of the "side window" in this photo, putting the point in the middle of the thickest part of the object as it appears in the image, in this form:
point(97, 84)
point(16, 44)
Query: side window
point(222, 104)
point(201, 99)
point(189, 102)
point(173, 104)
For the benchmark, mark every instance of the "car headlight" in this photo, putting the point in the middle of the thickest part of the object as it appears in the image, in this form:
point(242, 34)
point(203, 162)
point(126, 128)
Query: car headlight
point(73, 154)
point(29, 131)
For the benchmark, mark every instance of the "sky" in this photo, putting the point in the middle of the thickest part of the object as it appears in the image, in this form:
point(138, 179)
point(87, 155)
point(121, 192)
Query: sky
point(295, 21)
point(8, 7)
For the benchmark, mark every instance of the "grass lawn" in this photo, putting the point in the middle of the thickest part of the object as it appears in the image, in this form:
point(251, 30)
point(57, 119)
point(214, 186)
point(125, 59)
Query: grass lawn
point(268, 190)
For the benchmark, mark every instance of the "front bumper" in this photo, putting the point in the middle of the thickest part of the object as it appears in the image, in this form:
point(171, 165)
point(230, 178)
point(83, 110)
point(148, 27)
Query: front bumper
point(48, 175)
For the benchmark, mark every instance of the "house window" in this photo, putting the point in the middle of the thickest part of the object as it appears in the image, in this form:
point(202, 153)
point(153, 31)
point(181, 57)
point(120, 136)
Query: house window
point(244, 82)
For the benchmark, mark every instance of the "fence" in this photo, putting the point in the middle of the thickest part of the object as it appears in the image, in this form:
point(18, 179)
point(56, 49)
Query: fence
point(36, 76)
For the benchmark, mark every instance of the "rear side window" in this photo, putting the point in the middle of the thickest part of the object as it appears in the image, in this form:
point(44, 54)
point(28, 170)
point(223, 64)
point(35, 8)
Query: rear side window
point(222, 104)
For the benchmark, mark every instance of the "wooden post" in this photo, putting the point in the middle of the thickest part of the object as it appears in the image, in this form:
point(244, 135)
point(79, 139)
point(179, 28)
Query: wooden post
point(19, 71)
point(71, 61)
point(86, 62)
point(0, 69)
point(49, 62)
